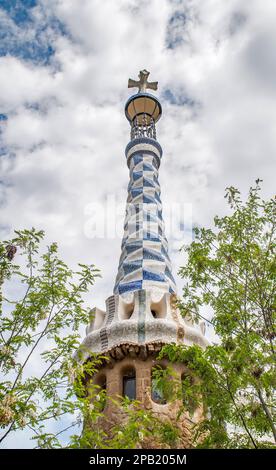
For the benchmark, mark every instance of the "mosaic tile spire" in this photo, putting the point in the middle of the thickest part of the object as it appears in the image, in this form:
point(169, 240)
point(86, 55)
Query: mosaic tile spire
point(142, 314)
point(144, 261)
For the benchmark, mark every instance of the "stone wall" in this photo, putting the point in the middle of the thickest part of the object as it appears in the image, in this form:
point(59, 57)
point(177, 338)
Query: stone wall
point(113, 373)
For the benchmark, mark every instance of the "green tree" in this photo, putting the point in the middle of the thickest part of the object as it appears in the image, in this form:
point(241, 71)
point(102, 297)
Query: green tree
point(231, 270)
point(41, 310)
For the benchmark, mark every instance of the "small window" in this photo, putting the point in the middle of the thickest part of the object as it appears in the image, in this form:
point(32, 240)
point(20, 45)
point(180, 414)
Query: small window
point(157, 390)
point(129, 384)
point(157, 393)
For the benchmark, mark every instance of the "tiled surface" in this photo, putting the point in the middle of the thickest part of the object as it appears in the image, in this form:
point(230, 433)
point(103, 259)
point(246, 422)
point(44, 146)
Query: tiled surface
point(132, 321)
point(144, 261)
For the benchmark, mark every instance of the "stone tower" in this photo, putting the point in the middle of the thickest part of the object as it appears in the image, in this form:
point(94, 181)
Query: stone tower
point(141, 315)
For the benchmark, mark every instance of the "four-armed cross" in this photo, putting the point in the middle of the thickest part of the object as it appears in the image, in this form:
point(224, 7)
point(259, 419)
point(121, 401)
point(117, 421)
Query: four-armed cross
point(143, 83)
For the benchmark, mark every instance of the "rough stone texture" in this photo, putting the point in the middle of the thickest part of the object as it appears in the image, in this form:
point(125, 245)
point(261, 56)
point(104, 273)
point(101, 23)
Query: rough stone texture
point(114, 382)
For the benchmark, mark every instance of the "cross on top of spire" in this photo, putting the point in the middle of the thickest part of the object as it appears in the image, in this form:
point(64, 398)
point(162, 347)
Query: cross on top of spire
point(143, 83)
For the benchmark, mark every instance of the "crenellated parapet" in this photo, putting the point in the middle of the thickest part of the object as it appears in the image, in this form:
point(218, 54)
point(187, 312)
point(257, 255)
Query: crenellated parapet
point(141, 317)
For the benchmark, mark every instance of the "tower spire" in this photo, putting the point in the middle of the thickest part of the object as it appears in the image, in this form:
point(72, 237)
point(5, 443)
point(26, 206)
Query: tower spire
point(141, 316)
point(141, 310)
point(144, 261)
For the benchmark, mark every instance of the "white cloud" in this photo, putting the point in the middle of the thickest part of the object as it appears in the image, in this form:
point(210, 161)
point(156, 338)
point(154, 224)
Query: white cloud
point(67, 127)
point(66, 120)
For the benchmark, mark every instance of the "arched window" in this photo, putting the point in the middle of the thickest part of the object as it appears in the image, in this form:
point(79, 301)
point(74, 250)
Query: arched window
point(157, 385)
point(129, 383)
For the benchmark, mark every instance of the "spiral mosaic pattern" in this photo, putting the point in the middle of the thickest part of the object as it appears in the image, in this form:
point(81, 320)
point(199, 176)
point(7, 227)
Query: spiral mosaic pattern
point(144, 261)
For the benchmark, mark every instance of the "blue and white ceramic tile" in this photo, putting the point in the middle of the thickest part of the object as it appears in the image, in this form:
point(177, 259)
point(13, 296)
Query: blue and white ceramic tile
point(144, 261)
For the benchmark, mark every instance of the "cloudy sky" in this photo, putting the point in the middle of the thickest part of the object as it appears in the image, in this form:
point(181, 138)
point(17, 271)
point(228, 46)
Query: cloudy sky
point(64, 68)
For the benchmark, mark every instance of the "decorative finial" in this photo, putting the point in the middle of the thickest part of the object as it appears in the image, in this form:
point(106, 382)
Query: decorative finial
point(143, 83)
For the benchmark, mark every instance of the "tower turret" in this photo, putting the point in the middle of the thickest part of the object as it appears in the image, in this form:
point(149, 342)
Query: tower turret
point(141, 316)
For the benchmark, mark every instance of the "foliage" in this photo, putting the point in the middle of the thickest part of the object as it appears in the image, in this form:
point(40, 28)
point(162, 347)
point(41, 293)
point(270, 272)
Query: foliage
point(42, 308)
point(231, 270)
point(164, 384)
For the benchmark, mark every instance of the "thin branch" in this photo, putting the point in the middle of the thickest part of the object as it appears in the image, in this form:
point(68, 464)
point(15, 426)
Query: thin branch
point(267, 413)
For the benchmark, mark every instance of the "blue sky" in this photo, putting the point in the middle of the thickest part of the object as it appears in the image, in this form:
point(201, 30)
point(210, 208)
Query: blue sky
point(20, 18)
point(64, 68)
